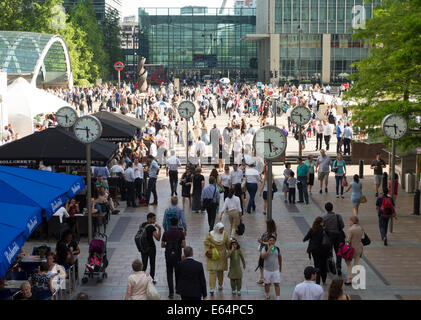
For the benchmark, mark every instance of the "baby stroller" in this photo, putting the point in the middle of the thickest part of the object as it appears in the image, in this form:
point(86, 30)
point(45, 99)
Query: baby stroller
point(97, 261)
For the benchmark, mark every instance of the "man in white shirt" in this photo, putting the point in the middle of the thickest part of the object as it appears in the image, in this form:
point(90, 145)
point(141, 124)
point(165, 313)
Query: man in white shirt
point(118, 169)
point(308, 289)
point(324, 162)
point(138, 181)
point(236, 177)
point(319, 135)
point(237, 148)
point(232, 207)
point(200, 150)
point(129, 178)
point(327, 134)
point(214, 139)
point(347, 136)
point(248, 142)
point(173, 163)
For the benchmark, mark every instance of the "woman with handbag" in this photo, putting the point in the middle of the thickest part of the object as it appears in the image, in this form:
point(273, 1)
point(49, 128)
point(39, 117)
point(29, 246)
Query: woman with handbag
point(138, 283)
point(232, 208)
point(354, 235)
point(356, 194)
point(198, 185)
point(318, 249)
point(216, 245)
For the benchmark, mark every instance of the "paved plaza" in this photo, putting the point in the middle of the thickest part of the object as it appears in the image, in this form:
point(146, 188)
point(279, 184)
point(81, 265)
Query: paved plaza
point(392, 271)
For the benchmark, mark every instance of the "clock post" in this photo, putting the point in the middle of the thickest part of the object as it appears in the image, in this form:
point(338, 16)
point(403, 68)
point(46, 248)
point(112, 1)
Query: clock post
point(399, 127)
point(269, 189)
point(89, 193)
point(300, 147)
point(187, 109)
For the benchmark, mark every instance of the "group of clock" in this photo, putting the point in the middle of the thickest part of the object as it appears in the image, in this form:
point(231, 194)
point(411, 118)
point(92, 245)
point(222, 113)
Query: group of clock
point(87, 129)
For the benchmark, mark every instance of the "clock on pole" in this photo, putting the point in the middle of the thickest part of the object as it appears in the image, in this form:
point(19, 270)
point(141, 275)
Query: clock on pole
point(186, 109)
point(87, 129)
point(66, 117)
point(300, 115)
point(269, 143)
point(394, 126)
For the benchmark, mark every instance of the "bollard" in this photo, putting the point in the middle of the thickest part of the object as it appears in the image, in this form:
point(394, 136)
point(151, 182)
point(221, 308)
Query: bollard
point(385, 181)
point(361, 175)
point(417, 202)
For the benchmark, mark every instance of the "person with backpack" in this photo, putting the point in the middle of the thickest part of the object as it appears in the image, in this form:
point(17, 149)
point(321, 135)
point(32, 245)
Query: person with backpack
point(172, 240)
point(210, 201)
point(318, 249)
point(386, 210)
point(272, 267)
point(174, 212)
point(144, 240)
point(334, 226)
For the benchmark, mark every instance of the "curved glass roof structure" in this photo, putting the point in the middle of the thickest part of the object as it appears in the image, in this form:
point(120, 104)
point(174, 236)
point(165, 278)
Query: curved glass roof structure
point(43, 58)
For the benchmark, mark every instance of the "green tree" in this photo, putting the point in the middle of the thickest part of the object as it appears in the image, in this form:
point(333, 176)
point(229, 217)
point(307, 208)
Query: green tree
point(389, 79)
point(111, 29)
point(90, 39)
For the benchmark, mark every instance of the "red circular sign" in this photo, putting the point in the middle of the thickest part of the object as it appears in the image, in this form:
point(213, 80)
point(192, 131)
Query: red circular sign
point(118, 66)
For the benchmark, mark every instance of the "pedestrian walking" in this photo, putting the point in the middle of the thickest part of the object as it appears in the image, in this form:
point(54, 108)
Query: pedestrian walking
point(356, 186)
point(308, 289)
point(236, 179)
point(129, 178)
point(292, 184)
point(216, 246)
point(317, 249)
point(153, 230)
point(323, 167)
point(336, 290)
point(235, 274)
point(347, 137)
point(386, 210)
point(138, 182)
point(264, 241)
point(327, 134)
point(153, 176)
point(310, 163)
point(138, 282)
point(354, 235)
point(210, 201)
point(174, 212)
point(303, 176)
point(191, 283)
point(319, 137)
point(186, 183)
point(198, 183)
point(334, 226)
point(287, 174)
point(378, 165)
point(252, 180)
point(172, 240)
point(172, 165)
point(264, 191)
point(272, 267)
point(226, 181)
point(339, 168)
point(232, 208)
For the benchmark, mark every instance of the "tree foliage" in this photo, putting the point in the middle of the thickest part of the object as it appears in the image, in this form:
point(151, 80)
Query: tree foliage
point(111, 29)
point(389, 79)
point(93, 48)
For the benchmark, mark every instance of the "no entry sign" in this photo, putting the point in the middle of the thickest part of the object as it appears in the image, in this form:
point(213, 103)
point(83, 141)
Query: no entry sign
point(118, 66)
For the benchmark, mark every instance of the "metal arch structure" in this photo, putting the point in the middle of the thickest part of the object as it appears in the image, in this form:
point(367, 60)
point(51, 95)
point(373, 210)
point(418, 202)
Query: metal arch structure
point(44, 52)
point(19, 60)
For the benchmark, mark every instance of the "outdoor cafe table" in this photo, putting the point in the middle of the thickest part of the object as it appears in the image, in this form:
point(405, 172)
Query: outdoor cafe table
point(14, 284)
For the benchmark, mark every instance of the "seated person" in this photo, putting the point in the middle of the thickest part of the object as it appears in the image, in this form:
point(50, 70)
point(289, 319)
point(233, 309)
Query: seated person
point(41, 283)
point(72, 208)
point(25, 292)
point(100, 182)
point(55, 271)
point(104, 198)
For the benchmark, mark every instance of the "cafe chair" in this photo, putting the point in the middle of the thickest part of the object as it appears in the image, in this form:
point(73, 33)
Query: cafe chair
point(16, 295)
point(21, 275)
point(5, 294)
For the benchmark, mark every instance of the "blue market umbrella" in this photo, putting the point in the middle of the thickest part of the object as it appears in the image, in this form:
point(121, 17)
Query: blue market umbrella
point(25, 218)
point(11, 240)
point(46, 190)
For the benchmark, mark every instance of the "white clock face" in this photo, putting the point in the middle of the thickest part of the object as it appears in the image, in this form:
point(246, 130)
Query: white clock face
point(186, 109)
point(87, 129)
point(66, 117)
point(270, 142)
point(394, 126)
point(300, 115)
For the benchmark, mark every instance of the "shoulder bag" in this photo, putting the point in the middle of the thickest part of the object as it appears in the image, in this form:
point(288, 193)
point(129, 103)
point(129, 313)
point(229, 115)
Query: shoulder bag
point(151, 292)
point(365, 239)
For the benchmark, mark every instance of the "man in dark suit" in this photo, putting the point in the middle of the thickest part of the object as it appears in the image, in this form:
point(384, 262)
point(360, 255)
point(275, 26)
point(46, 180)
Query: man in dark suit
point(191, 283)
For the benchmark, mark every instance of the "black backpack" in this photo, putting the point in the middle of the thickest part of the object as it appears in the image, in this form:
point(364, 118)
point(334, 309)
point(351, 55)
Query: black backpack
point(173, 248)
point(141, 239)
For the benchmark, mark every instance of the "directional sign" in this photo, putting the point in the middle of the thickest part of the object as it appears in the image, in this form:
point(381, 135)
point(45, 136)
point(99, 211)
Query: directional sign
point(118, 66)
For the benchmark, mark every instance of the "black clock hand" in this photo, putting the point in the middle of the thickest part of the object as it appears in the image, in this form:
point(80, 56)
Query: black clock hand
point(66, 118)
point(270, 144)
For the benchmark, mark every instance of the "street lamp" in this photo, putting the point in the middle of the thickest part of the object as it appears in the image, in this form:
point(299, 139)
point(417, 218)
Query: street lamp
point(299, 52)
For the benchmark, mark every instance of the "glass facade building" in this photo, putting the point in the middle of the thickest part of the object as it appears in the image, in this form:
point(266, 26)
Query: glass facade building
point(301, 24)
point(199, 41)
point(100, 6)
